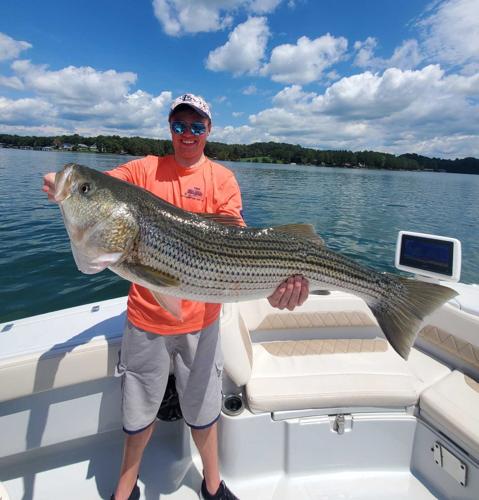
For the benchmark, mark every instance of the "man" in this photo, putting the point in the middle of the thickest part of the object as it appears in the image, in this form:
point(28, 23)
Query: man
point(152, 335)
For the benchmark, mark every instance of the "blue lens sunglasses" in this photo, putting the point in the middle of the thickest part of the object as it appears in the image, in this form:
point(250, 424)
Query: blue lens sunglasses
point(196, 128)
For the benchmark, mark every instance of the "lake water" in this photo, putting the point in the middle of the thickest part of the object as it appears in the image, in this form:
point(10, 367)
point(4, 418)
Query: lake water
point(357, 212)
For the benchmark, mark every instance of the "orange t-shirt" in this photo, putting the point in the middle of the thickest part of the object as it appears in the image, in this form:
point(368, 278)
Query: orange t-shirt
point(206, 188)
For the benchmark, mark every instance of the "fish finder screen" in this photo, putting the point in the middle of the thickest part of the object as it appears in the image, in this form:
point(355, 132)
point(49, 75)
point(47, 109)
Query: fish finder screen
point(427, 254)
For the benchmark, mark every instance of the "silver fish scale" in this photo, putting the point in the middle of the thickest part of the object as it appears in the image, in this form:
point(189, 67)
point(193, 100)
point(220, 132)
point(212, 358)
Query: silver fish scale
point(216, 262)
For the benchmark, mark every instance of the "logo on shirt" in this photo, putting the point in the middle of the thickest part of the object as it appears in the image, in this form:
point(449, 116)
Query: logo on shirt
point(194, 193)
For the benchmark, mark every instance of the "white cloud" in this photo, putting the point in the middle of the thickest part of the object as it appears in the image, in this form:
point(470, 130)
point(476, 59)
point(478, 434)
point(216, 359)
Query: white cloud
point(244, 50)
point(136, 111)
point(193, 16)
point(305, 61)
point(451, 32)
point(74, 83)
point(406, 56)
point(245, 134)
point(263, 6)
point(82, 98)
point(365, 52)
point(292, 96)
point(425, 111)
point(39, 130)
point(188, 16)
point(369, 95)
point(237, 114)
point(33, 111)
point(333, 75)
point(249, 90)
point(12, 82)
point(10, 48)
point(449, 35)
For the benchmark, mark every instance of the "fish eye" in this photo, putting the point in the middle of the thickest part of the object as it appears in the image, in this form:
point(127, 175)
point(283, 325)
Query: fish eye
point(85, 188)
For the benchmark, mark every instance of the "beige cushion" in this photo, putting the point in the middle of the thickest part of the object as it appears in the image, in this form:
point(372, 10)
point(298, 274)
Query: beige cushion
point(316, 319)
point(371, 375)
point(37, 372)
point(453, 344)
point(452, 405)
point(336, 309)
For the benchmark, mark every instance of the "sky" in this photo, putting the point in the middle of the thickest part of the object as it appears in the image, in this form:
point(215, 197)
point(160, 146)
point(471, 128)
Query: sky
point(400, 76)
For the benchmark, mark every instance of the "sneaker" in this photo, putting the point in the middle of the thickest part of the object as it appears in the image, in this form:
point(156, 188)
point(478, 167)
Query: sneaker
point(134, 495)
point(223, 493)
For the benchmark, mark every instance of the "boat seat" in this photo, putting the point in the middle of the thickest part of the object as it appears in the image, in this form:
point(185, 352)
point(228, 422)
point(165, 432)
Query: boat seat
point(312, 358)
point(452, 406)
point(40, 360)
point(451, 335)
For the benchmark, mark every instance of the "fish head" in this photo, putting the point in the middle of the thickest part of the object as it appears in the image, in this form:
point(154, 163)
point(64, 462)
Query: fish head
point(100, 224)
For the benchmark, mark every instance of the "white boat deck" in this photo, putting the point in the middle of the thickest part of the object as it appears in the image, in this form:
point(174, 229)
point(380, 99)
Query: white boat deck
point(60, 425)
point(87, 469)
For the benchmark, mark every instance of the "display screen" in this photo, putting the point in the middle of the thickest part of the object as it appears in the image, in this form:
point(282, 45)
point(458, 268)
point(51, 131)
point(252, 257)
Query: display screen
point(427, 254)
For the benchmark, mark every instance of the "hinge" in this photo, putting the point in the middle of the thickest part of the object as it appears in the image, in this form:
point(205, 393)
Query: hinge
point(341, 423)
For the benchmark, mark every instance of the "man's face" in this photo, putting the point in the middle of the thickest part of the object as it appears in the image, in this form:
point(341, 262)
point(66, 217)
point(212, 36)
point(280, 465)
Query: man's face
point(188, 146)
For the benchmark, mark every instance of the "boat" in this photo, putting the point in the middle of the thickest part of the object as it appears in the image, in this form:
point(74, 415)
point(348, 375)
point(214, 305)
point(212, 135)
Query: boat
point(316, 403)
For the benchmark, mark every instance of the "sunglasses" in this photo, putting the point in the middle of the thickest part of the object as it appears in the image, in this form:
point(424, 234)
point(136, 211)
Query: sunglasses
point(196, 128)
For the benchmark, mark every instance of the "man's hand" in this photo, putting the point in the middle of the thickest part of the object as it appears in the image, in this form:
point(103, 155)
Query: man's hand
point(291, 293)
point(49, 185)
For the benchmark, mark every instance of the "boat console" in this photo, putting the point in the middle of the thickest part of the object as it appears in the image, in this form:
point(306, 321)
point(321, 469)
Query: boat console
point(429, 256)
point(437, 259)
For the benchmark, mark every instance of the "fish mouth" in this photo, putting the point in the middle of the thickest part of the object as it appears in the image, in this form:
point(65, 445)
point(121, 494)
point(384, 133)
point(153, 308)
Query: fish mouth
point(63, 182)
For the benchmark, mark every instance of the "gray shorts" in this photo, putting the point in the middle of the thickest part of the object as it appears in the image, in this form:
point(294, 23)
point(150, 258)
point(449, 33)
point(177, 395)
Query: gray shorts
point(144, 366)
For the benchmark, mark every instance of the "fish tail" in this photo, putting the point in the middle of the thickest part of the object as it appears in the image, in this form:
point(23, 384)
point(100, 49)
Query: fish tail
point(401, 312)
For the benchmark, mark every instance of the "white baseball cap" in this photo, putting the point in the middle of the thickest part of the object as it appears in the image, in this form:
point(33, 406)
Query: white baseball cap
point(194, 101)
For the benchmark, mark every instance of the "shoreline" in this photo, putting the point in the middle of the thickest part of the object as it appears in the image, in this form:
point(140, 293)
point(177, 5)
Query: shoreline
point(249, 160)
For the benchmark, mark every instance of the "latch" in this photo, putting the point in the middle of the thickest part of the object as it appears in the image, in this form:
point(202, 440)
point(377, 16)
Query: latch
point(450, 463)
point(341, 423)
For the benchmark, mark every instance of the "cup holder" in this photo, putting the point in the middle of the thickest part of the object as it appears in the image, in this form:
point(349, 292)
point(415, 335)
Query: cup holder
point(232, 405)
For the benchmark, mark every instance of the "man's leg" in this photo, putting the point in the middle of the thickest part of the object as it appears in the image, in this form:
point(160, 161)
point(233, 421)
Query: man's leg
point(144, 365)
point(206, 441)
point(134, 447)
point(198, 368)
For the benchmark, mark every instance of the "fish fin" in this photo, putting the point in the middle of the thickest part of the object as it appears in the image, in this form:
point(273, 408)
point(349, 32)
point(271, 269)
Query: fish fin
point(227, 220)
point(171, 304)
point(157, 277)
point(400, 314)
point(303, 230)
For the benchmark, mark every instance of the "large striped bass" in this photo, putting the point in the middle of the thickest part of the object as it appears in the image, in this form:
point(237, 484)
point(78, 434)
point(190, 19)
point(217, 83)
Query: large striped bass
point(181, 255)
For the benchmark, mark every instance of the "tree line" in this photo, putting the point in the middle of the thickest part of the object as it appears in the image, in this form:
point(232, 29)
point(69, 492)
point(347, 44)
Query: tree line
point(265, 152)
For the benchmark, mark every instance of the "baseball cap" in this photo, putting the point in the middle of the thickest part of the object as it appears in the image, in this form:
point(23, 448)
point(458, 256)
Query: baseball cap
point(194, 101)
